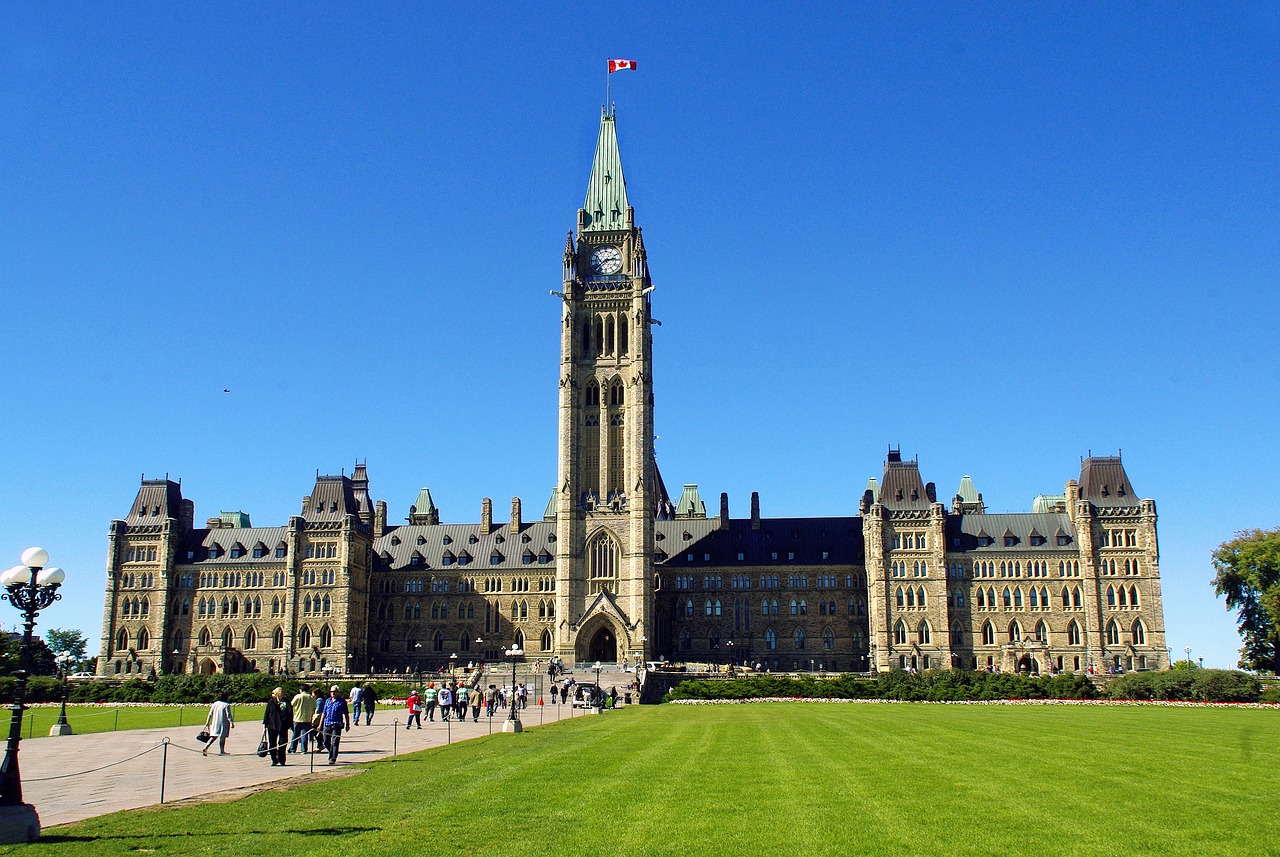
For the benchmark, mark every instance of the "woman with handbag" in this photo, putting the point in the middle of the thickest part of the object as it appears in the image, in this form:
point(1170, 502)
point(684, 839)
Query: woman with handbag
point(219, 724)
point(277, 719)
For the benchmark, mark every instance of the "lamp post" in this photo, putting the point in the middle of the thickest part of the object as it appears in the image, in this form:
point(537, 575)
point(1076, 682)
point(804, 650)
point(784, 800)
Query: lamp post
point(513, 723)
point(453, 666)
point(1187, 649)
point(62, 727)
point(598, 701)
point(31, 587)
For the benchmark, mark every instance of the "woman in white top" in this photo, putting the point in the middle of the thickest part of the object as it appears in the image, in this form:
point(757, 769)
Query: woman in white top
point(219, 724)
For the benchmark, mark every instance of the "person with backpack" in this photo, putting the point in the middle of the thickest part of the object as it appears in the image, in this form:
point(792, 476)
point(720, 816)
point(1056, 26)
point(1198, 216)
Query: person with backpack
point(414, 703)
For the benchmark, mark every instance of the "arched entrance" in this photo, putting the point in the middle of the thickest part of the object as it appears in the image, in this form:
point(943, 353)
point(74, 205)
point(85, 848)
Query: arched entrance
point(208, 667)
point(603, 646)
point(1028, 665)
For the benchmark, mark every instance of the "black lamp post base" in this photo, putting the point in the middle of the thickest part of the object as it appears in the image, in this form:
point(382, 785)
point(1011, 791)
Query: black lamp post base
point(19, 823)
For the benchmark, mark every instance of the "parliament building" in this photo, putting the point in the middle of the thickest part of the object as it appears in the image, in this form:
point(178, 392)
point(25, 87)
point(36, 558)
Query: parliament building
point(614, 569)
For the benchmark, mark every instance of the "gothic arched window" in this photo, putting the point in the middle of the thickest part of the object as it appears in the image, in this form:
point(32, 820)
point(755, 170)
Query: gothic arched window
point(602, 564)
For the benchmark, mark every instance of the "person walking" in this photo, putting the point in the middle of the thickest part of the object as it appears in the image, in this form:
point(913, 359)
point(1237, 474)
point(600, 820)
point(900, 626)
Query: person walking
point(219, 724)
point(460, 702)
point(491, 699)
point(370, 700)
point(318, 700)
point(335, 718)
point(445, 700)
point(414, 702)
point(474, 697)
point(429, 700)
point(357, 699)
point(277, 719)
point(303, 707)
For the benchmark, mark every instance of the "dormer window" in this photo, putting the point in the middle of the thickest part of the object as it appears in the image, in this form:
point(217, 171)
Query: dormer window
point(395, 540)
point(281, 550)
point(422, 540)
point(527, 557)
point(499, 539)
point(448, 540)
point(214, 552)
point(1120, 491)
point(472, 539)
point(333, 507)
point(448, 558)
point(524, 539)
point(495, 558)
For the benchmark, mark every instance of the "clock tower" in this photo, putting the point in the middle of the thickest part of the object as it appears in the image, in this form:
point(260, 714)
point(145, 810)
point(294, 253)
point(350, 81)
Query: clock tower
point(605, 503)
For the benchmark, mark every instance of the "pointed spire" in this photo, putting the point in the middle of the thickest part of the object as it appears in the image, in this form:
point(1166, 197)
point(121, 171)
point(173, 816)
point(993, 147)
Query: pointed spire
point(570, 259)
point(606, 204)
point(423, 510)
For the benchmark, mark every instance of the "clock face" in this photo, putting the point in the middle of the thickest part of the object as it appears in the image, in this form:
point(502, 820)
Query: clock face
point(606, 260)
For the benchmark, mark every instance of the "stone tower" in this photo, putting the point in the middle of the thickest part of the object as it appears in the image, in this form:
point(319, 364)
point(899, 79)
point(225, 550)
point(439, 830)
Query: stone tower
point(604, 514)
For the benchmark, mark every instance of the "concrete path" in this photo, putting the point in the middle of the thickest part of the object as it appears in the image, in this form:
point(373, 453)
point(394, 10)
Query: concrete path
point(74, 777)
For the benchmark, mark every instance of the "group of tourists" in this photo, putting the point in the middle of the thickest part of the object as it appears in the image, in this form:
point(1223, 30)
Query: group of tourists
point(291, 725)
point(453, 701)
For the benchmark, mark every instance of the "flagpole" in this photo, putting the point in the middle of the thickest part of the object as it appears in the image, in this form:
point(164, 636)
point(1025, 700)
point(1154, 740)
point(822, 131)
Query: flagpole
point(608, 79)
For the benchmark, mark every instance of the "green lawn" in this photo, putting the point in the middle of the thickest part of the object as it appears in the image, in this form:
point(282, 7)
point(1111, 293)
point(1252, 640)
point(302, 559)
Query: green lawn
point(87, 719)
point(804, 779)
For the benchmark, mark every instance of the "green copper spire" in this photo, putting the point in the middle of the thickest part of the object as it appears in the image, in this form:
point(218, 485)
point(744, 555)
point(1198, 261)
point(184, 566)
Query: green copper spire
point(606, 205)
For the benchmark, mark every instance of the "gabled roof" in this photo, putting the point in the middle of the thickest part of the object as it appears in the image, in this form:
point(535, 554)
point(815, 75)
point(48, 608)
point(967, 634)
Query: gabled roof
point(434, 542)
point(332, 500)
point(964, 531)
point(606, 203)
point(198, 542)
point(1103, 482)
point(902, 487)
point(967, 492)
point(806, 538)
point(157, 499)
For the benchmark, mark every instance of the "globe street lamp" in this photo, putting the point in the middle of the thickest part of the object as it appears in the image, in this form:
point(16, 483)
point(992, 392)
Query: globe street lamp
point(31, 587)
point(453, 666)
point(1187, 649)
point(62, 727)
point(598, 701)
point(513, 723)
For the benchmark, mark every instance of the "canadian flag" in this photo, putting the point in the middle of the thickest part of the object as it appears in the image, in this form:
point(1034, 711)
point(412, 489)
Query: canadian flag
point(621, 65)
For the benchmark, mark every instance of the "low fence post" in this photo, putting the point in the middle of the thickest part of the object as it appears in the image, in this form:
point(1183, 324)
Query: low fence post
point(164, 764)
point(395, 727)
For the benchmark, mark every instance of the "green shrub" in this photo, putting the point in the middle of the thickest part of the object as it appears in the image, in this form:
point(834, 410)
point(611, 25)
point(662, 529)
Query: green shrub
point(1225, 686)
point(932, 685)
point(1271, 694)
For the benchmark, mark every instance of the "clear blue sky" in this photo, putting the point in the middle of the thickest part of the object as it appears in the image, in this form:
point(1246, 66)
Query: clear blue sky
point(1000, 235)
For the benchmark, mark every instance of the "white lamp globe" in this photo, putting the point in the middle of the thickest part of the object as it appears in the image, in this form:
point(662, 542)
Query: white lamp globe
point(6, 577)
point(35, 557)
point(19, 574)
point(51, 576)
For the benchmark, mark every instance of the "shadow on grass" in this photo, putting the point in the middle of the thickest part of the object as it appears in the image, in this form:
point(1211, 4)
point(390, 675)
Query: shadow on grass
point(54, 839)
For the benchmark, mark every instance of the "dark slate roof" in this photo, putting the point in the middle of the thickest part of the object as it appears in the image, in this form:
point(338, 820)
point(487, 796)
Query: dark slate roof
point(902, 487)
point(969, 528)
point(157, 499)
point(332, 500)
point(1103, 482)
point(199, 542)
point(807, 538)
point(432, 541)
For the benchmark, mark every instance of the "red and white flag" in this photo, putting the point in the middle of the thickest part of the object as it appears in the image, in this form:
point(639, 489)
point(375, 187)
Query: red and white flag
point(621, 65)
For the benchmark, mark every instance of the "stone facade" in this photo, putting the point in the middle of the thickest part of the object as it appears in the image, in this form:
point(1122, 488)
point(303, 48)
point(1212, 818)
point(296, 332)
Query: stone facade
point(614, 570)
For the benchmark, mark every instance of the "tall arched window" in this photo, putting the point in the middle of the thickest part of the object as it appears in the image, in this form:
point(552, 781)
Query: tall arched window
point(829, 640)
point(798, 638)
point(900, 597)
point(900, 632)
point(250, 638)
point(1008, 597)
point(1113, 633)
point(1111, 596)
point(546, 640)
point(1066, 598)
point(205, 637)
point(1133, 596)
point(304, 638)
point(1042, 631)
point(957, 634)
point(988, 634)
point(1139, 633)
point(227, 638)
point(920, 596)
point(1075, 597)
point(144, 639)
point(602, 564)
point(122, 640)
point(326, 637)
point(770, 639)
point(1017, 597)
point(277, 639)
point(1073, 634)
point(1015, 632)
point(923, 632)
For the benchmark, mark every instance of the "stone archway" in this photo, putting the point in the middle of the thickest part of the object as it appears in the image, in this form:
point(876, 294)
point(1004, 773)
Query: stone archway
point(603, 645)
point(207, 667)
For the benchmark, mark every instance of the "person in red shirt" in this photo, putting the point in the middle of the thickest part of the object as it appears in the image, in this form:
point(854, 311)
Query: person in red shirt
point(415, 710)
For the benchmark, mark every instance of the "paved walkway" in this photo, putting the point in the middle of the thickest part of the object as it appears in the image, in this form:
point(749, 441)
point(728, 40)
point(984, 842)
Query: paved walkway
point(74, 777)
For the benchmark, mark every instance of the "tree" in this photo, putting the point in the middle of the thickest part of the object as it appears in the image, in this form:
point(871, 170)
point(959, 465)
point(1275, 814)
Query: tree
point(1248, 576)
point(70, 642)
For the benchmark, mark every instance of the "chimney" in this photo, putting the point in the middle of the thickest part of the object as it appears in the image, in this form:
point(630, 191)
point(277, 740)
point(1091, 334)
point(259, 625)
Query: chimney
point(187, 515)
point(755, 510)
point(724, 510)
point(515, 514)
point(486, 515)
point(931, 491)
point(380, 519)
point(213, 523)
